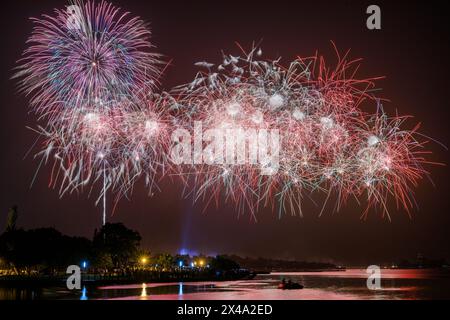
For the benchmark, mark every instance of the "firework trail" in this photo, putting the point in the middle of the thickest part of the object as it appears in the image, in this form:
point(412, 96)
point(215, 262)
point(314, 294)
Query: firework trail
point(90, 74)
point(123, 146)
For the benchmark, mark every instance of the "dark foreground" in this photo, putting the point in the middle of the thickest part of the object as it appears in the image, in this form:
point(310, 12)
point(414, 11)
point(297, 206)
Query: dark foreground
point(344, 285)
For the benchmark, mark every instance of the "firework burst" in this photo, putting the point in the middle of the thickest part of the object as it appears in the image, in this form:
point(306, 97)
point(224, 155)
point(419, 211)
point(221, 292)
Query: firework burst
point(270, 134)
point(91, 74)
point(328, 143)
point(88, 56)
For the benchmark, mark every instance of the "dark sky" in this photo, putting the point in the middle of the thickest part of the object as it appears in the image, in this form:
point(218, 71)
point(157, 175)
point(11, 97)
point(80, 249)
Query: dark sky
point(412, 51)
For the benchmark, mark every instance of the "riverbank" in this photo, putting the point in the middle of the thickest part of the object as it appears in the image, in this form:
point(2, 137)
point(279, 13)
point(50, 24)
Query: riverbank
point(135, 277)
point(149, 276)
point(351, 284)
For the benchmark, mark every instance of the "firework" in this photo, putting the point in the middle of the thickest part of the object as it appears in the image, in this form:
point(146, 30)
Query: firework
point(90, 56)
point(91, 74)
point(253, 131)
point(115, 148)
point(328, 143)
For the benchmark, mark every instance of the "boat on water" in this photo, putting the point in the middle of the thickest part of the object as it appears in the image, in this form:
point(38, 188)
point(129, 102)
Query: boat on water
point(290, 286)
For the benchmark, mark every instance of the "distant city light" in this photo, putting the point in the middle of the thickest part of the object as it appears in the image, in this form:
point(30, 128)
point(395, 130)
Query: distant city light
point(84, 264)
point(180, 264)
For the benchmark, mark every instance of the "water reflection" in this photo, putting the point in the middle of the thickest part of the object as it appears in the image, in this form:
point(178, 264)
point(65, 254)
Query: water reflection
point(350, 284)
point(144, 292)
point(83, 294)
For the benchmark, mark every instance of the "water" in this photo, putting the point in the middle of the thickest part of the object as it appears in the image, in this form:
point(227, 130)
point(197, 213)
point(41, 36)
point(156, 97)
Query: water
point(350, 284)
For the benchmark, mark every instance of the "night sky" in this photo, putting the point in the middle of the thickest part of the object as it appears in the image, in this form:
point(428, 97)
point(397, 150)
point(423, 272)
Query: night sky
point(412, 51)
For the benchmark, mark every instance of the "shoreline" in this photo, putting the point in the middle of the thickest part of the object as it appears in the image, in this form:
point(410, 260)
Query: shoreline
point(163, 277)
point(90, 279)
point(153, 277)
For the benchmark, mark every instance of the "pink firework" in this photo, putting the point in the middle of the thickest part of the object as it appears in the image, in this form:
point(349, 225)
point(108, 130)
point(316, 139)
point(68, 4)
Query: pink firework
point(328, 143)
point(87, 56)
point(116, 148)
point(91, 74)
point(270, 134)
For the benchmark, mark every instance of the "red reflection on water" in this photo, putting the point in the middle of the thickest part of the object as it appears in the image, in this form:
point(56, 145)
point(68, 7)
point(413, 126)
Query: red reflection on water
point(361, 273)
point(349, 285)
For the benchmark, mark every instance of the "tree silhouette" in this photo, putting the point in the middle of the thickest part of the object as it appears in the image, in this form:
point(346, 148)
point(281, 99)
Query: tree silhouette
point(223, 263)
point(117, 242)
point(164, 261)
point(43, 249)
point(11, 221)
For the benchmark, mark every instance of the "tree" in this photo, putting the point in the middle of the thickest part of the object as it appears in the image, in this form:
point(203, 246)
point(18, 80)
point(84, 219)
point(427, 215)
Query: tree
point(164, 261)
point(118, 242)
point(11, 221)
point(44, 248)
point(183, 258)
point(222, 263)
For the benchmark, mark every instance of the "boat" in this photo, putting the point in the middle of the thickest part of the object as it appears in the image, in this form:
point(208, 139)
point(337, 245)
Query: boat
point(290, 286)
